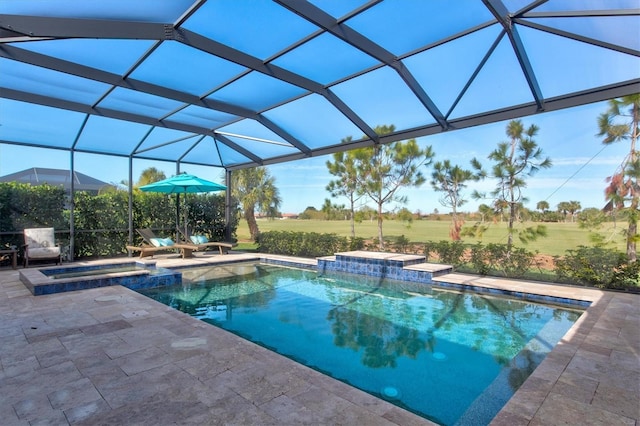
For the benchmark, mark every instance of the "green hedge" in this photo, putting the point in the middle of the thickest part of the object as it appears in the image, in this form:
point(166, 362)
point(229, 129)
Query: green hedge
point(25, 206)
point(101, 222)
point(585, 266)
point(305, 244)
point(598, 267)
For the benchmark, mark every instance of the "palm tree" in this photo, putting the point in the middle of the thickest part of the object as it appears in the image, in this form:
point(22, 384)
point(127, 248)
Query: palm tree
point(543, 206)
point(574, 207)
point(255, 190)
point(569, 207)
point(619, 123)
point(150, 175)
point(563, 208)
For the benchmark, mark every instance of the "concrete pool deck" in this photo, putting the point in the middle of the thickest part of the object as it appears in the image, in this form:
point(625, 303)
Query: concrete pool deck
point(111, 356)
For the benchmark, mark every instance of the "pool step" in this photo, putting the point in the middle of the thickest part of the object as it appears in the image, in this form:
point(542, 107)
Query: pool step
point(437, 269)
point(405, 267)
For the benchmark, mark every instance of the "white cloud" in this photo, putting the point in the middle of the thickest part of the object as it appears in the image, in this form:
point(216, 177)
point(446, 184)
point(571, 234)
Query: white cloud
point(579, 161)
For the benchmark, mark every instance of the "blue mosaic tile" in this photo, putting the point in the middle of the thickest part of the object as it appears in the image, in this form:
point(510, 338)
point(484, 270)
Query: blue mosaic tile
point(294, 264)
point(380, 268)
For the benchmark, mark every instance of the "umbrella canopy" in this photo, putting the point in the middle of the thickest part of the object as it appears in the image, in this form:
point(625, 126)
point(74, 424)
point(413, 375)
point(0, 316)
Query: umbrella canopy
point(183, 184)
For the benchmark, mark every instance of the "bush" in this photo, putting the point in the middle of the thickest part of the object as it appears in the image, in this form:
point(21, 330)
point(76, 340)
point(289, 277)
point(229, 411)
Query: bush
point(304, 244)
point(25, 206)
point(626, 277)
point(356, 243)
point(400, 243)
point(101, 222)
point(207, 216)
point(598, 267)
point(449, 252)
point(497, 258)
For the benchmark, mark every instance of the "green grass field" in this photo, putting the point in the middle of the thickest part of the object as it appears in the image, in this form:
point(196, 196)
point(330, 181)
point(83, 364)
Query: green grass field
point(561, 236)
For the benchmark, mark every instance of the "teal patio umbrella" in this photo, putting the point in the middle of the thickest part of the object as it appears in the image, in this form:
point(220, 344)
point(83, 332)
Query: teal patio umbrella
point(182, 184)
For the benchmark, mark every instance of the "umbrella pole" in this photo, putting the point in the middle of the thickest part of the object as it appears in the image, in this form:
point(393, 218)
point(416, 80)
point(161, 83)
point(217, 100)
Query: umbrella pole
point(177, 217)
point(186, 217)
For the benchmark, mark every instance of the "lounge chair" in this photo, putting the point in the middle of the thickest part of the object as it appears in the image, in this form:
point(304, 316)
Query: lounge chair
point(40, 244)
point(203, 242)
point(153, 244)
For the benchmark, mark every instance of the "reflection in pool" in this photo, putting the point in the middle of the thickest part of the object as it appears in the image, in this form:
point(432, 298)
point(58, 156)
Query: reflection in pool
point(452, 357)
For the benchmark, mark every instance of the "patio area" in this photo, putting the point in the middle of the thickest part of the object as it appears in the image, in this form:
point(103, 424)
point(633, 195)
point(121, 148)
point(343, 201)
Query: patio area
point(111, 356)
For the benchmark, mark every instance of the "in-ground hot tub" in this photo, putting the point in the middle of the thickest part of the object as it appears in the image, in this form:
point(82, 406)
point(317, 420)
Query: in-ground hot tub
point(132, 274)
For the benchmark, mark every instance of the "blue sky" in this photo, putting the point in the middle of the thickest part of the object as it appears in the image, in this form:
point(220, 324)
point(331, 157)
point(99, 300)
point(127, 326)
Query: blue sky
point(581, 163)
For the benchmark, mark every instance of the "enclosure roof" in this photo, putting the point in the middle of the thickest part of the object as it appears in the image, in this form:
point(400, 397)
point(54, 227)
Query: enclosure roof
point(238, 83)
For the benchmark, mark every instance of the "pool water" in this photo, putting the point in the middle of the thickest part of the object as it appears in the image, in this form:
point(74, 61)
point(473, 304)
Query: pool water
point(452, 357)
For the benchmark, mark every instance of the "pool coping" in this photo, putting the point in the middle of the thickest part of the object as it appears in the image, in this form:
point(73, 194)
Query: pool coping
point(590, 377)
point(40, 282)
point(404, 267)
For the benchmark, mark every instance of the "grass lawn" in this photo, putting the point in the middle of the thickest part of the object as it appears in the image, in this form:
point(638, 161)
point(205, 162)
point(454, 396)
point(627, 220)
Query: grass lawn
point(560, 236)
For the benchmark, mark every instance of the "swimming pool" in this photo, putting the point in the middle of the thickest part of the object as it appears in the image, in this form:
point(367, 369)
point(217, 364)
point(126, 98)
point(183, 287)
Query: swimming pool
point(452, 357)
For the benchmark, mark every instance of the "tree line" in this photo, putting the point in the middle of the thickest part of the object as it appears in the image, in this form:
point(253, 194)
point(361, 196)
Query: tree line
point(376, 173)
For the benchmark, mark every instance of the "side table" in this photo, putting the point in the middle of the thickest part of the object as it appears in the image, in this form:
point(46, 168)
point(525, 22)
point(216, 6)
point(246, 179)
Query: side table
point(14, 256)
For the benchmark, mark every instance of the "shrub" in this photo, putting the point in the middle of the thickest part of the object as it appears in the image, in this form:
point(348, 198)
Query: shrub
point(449, 252)
point(206, 215)
point(101, 224)
point(498, 258)
point(478, 261)
point(598, 267)
point(626, 277)
point(304, 244)
point(356, 243)
point(400, 243)
point(25, 206)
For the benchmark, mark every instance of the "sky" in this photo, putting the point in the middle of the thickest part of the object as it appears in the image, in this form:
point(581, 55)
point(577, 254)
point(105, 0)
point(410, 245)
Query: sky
point(581, 164)
point(561, 65)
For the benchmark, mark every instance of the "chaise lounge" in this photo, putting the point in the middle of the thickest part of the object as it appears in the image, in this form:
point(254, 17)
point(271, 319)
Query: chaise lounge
point(203, 243)
point(153, 244)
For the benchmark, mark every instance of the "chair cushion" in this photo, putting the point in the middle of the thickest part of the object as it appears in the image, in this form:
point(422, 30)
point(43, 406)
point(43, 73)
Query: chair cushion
point(43, 252)
point(199, 239)
point(157, 242)
point(39, 237)
point(167, 242)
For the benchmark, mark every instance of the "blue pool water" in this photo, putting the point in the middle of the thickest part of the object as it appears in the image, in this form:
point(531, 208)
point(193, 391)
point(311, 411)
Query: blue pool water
point(452, 357)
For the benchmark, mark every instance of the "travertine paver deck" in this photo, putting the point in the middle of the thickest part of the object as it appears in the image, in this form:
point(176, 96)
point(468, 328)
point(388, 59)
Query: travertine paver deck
point(112, 356)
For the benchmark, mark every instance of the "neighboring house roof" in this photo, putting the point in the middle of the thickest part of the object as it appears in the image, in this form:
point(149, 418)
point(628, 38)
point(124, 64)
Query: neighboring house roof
point(39, 176)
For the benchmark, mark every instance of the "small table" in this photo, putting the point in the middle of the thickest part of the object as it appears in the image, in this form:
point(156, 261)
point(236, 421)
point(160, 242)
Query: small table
point(14, 257)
